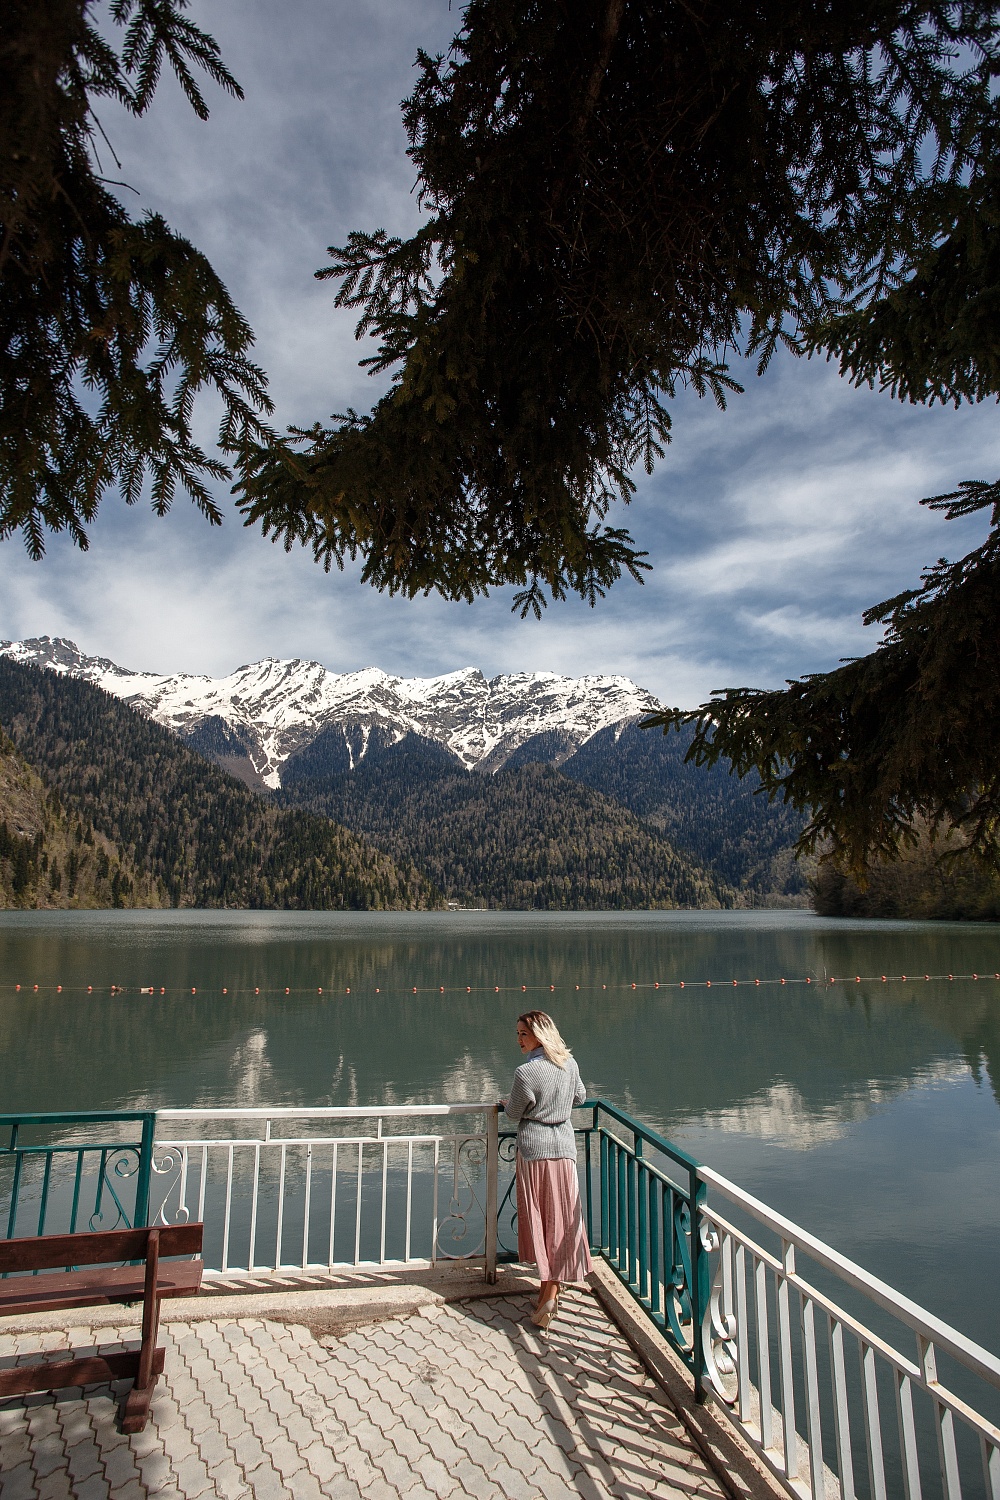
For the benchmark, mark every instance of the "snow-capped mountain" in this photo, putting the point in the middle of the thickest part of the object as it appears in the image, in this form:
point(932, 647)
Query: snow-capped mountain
point(258, 716)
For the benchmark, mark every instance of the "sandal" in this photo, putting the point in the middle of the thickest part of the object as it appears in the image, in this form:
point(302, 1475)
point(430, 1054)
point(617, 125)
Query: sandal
point(542, 1316)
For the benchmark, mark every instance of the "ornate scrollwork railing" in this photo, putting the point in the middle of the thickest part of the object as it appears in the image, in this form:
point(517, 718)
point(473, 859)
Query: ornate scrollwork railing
point(55, 1178)
point(122, 1163)
point(719, 1324)
point(461, 1233)
point(507, 1197)
point(172, 1163)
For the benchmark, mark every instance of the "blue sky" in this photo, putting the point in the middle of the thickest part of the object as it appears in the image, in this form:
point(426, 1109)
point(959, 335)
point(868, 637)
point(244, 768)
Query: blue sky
point(770, 526)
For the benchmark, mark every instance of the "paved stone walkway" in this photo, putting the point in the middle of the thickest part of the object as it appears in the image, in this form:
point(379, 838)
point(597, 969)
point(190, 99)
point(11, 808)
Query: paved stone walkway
point(462, 1399)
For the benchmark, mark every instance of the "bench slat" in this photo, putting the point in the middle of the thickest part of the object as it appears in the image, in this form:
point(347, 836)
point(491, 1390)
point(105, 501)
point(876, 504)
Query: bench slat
point(178, 1278)
point(48, 1251)
point(64, 1372)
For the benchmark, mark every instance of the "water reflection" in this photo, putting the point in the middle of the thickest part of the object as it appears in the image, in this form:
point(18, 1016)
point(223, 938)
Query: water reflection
point(792, 1063)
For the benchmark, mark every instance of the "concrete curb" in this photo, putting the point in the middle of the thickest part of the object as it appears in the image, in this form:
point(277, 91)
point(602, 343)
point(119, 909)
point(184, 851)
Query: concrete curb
point(328, 1311)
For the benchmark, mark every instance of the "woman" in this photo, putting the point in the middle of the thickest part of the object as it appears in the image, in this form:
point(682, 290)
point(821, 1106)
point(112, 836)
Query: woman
point(549, 1219)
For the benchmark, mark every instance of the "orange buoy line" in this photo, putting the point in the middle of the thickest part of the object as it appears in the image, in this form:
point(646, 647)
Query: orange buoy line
point(493, 989)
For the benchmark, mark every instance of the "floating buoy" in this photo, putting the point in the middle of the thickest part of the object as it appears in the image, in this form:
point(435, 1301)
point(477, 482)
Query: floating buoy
point(194, 991)
point(523, 988)
point(17, 986)
point(656, 986)
point(603, 986)
point(468, 989)
point(951, 976)
point(682, 984)
point(904, 978)
point(496, 989)
point(377, 990)
point(975, 976)
point(287, 991)
point(782, 981)
point(36, 986)
point(552, 986)
point(257, 991)
point(735, 982)
point(757, 983)
point(808, 980)
point(633, 986)
point(58, 989)
point(162, 989)
point(708, 984)
point(320, 990)
point(857, 979)
point(348, 990)
point(884, 980)
point(224, 990)
point(442, 989)
point(414, 989)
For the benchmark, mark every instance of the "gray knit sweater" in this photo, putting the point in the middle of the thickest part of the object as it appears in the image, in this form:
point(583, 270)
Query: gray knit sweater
point(540, 1101)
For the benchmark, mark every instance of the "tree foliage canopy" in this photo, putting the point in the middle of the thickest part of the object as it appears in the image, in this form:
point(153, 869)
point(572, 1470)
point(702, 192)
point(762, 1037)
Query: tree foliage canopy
point(618, 194)
point(108, 327)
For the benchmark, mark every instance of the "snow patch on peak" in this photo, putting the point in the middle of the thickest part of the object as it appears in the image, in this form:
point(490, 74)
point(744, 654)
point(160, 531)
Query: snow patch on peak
point(280, 706)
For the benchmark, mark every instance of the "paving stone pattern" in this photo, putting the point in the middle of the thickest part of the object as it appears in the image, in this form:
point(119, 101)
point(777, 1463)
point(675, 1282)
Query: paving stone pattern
point(464, 1399)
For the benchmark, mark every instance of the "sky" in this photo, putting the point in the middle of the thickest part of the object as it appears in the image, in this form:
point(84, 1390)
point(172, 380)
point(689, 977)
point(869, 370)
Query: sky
point(770, 526)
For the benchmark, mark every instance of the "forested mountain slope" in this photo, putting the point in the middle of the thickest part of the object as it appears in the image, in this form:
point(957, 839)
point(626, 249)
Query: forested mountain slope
point(50, 858)
point(704, 811)
point(524, 837)
point(191, 832)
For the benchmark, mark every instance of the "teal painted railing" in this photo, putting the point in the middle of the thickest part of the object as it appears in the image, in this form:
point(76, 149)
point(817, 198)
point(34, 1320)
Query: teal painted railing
point(56, 1178)
point(648, 1198)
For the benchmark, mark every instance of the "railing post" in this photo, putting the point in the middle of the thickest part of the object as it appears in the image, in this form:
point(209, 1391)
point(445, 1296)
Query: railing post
point(701, 1289)
point(492, 1197)
point(144, 1175)
point(589, 1196)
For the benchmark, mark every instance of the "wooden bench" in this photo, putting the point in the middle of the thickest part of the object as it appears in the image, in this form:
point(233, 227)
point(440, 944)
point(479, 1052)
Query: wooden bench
point(97, 1283)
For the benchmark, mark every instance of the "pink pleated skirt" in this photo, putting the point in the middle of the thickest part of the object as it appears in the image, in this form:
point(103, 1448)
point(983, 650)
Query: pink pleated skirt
point(550, 1228)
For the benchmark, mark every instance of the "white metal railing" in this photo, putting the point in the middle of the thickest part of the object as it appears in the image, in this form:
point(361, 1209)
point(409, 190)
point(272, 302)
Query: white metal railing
point(777, 1349)
point(289, 1189)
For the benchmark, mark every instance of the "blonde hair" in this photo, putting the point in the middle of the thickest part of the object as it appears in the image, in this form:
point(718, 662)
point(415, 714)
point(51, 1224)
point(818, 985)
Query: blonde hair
point(546, 1034)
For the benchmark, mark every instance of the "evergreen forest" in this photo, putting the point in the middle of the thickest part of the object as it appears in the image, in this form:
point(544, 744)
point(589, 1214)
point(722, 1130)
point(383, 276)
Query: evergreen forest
point(524, 837)
point(178, 830)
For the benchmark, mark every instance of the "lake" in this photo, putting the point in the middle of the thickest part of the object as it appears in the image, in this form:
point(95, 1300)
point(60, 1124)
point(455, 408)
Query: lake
point(868, 1112)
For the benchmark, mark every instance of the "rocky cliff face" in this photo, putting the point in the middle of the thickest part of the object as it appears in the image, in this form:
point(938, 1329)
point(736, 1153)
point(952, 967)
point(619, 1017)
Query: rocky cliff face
point(252, 721)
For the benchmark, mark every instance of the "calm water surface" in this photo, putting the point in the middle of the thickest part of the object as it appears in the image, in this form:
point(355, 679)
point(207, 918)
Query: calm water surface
point(867, 1112)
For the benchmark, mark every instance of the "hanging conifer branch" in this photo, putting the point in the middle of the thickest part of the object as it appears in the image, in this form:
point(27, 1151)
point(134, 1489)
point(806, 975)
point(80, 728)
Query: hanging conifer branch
point(109, 328)
point(617, 195)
